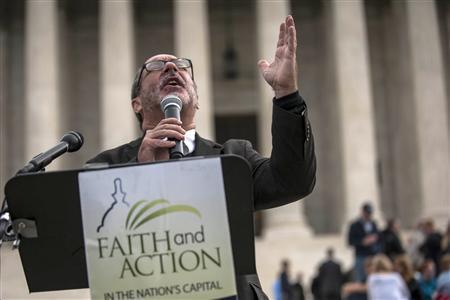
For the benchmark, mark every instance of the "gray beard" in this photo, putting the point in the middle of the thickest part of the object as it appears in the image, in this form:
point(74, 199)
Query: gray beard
point(151, 101)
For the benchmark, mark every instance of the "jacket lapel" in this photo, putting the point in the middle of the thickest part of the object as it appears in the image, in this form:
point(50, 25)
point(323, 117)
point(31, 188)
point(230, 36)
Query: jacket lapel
point(204, 147)
point(132, 150)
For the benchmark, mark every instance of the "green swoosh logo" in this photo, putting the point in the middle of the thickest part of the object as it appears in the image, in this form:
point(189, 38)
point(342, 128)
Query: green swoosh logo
point(140, 220)
point(132, 209)
point(142, 210)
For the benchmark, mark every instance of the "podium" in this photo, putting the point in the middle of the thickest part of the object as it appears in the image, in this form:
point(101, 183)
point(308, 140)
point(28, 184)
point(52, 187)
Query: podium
point(47, 206)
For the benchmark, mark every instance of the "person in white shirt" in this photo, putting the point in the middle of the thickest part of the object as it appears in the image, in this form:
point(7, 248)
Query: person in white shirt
point(383, 283)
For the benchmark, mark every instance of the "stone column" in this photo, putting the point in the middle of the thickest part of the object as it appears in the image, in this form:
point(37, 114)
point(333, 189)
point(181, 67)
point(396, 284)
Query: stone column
point(3, 142)
point(317, 87)
point(269, 16)
point(79, 32)
point(429, 99)
point(12, 88)
point(192, 41)
point(351, 63)
point(288, 219)
point(118, 123)
point(42, 92)
point(448, 68)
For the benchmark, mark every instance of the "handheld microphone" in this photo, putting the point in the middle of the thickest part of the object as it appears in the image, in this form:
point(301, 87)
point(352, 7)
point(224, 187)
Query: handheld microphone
point(70, 142)
point(171, 106)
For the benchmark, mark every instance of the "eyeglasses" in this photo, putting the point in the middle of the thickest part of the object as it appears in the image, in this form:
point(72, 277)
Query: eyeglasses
point(158, 65)
point(181, 63)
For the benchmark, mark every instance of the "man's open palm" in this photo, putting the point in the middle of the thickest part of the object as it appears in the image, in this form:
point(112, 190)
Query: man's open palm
point(281, 74)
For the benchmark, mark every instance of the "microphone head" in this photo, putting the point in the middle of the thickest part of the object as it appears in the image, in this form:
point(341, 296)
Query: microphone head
point(170, 100)
point(74, 141)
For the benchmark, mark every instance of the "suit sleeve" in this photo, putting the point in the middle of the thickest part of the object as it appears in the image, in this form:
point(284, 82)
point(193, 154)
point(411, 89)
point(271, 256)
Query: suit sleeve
point(290, 172)
point(354, 238)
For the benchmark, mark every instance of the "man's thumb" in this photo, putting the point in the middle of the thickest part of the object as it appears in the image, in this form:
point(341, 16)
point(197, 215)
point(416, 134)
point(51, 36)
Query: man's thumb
point(263, 65)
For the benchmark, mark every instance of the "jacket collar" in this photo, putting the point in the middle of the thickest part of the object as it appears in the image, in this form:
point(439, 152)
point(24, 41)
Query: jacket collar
point(205, 147)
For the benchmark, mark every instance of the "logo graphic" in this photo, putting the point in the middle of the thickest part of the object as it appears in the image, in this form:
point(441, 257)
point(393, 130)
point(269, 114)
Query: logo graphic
point(118, 192)
point(143, 208)
point(145, 239)
point(140, 218)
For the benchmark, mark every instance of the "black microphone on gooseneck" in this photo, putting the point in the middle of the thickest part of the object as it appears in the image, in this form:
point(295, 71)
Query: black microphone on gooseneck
point(70, 142)
point(171, 106)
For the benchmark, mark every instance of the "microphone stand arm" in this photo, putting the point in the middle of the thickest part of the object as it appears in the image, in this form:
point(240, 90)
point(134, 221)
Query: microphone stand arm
point(12, 231)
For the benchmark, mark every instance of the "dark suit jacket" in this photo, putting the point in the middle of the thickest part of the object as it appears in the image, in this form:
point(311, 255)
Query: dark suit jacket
point(330, 279)
point(356, 235)
point(287, 176)
point(391, 244)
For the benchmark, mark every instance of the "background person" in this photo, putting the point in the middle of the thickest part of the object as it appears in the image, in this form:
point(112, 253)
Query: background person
point(285, 283)
point(443, 281)
point(427, 280)
point(403, 266)
point(298, 291)
point(390, 241)
point(363, 236)
point(330, 278)
point(431, 247)
point(383, 282)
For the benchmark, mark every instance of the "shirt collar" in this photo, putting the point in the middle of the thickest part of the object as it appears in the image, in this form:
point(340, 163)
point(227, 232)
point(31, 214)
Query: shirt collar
point(189, 141)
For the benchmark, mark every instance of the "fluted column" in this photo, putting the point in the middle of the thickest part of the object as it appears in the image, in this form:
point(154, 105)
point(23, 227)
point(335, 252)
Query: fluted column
point(287, 219)
point(42, 86)
point(353, 85)
point(446, 13)
point(118, 123)
point(3, 142)
point(431, 116)
point(269, 16)
point(192, 41)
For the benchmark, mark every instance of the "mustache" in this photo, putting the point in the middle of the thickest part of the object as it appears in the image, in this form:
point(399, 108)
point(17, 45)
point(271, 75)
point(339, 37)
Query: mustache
point(171, 76)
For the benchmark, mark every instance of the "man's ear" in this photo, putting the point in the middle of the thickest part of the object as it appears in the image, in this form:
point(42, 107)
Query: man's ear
point(137, 105)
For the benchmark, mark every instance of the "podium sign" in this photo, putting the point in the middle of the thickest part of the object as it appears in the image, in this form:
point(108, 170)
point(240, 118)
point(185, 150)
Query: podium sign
point(157, 231)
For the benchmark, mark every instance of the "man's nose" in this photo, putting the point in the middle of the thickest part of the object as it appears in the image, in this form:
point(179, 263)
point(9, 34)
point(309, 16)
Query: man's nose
point(170, 67)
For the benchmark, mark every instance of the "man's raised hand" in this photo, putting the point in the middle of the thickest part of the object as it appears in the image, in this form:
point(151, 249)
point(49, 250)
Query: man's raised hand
point(281, 74)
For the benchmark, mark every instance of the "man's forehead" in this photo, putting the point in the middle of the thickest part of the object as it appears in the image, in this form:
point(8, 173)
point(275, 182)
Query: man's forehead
point(161, 57)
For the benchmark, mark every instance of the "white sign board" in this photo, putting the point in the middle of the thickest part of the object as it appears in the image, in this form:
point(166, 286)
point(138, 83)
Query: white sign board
point(157, 231)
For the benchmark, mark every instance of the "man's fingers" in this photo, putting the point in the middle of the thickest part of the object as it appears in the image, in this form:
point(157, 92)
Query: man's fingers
point(292, 40)
point(290, 21)
point(281, 74)
point(170, 121)
point(163, 144)
point(166, 133)
point(157, 140)
point(155, 143)
point(174, 127)
point(166, 124)
point(281, 35)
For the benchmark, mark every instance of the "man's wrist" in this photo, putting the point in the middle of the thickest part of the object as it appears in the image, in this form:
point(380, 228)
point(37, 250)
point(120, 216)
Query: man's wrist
point(289, 102)
point(284, 92)
point(294, 104)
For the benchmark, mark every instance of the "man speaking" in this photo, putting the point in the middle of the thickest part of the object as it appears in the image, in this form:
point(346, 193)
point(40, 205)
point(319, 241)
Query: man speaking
point(289, 173)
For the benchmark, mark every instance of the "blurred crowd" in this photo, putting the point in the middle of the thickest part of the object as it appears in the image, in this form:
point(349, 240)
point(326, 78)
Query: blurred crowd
point(384, 267)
